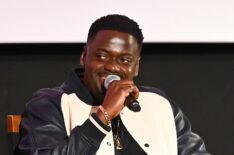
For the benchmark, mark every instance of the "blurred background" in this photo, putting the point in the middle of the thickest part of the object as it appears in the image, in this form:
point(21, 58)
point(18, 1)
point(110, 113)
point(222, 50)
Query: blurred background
point(188, 53)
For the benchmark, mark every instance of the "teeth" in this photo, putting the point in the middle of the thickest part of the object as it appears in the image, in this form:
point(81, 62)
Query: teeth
point(103, 76)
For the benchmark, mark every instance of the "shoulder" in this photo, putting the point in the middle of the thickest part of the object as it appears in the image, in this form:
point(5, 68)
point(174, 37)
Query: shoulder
point(43, 114)
point(153, 97)
point(148, 89)
point(45, 102)
point(44, 94)
point(153, 90)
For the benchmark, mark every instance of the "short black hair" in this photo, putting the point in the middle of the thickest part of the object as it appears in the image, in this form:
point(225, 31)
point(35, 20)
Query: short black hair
point(119, 23)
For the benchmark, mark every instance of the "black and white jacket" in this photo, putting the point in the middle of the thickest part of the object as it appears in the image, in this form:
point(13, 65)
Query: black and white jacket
point(59, 121)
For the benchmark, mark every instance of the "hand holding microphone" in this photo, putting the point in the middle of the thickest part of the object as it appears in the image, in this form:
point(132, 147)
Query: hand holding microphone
point(118, 93)
point(133, 103)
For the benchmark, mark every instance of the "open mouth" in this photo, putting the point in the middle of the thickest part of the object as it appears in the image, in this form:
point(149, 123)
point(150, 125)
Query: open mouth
point(102, 78)
point(103, 75)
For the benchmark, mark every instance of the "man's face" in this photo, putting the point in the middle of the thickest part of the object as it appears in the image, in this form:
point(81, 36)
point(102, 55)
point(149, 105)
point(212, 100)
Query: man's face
point(109, 52)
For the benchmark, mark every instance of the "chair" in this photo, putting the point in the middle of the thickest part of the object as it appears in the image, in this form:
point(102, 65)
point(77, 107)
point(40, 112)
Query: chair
point(13, 123)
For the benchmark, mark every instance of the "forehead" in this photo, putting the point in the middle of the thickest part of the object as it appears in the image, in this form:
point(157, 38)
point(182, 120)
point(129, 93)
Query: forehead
point(114, 41)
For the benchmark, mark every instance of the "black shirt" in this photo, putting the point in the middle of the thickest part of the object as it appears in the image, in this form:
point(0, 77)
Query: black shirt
point(128, 143)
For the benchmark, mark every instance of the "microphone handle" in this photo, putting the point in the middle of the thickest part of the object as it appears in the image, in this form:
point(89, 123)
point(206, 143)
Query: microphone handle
point(134, 105)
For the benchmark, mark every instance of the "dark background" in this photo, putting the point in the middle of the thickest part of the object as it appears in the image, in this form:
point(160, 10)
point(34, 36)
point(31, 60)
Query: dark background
point(198, 76)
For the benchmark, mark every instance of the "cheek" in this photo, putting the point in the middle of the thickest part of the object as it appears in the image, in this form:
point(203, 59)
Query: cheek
point(93, 69)
point(130, 71)
point(133, 68)
point(93, 65)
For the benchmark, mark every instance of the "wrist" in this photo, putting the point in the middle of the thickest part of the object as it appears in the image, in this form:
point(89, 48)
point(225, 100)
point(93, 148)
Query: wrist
point(103, 116)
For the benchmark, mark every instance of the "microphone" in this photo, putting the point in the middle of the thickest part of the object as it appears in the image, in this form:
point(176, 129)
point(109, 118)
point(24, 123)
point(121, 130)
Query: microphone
point(133, 104)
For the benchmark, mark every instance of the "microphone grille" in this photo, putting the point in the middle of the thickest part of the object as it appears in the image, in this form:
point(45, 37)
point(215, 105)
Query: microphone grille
point(109, 79)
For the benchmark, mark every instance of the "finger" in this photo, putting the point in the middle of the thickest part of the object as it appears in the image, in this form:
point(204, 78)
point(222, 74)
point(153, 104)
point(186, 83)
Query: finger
point(124, 81)
point(127, 89)
point(132, 87)
point(135, 92)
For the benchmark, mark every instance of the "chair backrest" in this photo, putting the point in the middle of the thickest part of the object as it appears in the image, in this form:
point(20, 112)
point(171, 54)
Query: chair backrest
point(13, 123)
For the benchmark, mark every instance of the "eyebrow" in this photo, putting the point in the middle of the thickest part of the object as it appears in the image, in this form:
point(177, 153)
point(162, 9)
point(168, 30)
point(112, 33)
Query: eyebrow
point(102, 49)
point(125, 54)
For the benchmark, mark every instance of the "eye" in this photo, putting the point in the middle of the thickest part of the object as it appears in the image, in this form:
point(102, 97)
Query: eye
point(126, 60)
point(101, 56)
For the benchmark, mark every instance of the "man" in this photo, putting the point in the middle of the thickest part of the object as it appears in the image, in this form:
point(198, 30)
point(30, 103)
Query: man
point(84, 117)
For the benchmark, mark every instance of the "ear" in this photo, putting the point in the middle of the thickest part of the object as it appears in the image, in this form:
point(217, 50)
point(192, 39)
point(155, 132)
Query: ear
point(137, 67)
point(83, 56)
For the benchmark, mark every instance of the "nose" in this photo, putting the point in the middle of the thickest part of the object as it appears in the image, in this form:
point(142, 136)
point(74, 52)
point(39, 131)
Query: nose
point(112, 66)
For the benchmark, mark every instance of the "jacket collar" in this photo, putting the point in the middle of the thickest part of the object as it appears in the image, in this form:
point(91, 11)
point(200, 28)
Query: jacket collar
point(75, 85)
